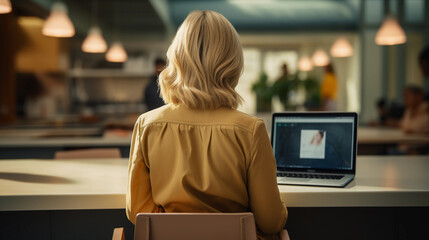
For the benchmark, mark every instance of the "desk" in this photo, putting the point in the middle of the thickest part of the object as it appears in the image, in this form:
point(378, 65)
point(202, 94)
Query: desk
point(36, 184)
point(377, 140)
point(377, 135)
point(79, 190)
point(26, 147)
point(50, 132)
point(371, 141)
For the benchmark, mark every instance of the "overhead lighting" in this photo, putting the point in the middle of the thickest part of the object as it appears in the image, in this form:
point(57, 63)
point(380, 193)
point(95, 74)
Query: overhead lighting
point(305, 64)
point(5, 6)
point(390, 33)
point(94, 42)
point(320, 58)
point(341, 48)
point(116, 53)
point(58, 23)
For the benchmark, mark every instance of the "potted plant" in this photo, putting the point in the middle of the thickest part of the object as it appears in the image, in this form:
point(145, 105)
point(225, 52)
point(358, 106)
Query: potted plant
point(264, 94)
point(313, 99)
point(284, 87)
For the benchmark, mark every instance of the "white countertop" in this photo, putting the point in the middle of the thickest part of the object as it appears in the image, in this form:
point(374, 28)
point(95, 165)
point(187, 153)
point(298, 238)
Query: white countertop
point(380, 181)
point(33, 184)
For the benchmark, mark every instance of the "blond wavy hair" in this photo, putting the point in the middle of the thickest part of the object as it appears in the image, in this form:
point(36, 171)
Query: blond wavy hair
point(205, 61)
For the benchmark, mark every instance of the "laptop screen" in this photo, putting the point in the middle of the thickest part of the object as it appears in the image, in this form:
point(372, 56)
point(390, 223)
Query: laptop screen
point(310, 141)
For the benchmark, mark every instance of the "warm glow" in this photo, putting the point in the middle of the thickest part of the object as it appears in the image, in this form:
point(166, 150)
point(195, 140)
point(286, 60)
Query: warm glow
point(5, 6)
point(341, 48)
point(116, 53)
point(58, 23)
point(305, 64)
point(390, 33)
point(94, 42)
point(320, 58)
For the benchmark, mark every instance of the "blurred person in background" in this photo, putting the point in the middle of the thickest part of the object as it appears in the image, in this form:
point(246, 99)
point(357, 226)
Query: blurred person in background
point(382, 111)
point(414, 121)
point(424, 67)
point(329, 88)
point(389, 115)
point(152, 96)
point(416, 116)
point(198, 153)
point(41, 95)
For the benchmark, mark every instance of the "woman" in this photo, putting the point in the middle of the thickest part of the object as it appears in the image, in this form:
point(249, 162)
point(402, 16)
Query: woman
point(328, 89)
point(197, 153)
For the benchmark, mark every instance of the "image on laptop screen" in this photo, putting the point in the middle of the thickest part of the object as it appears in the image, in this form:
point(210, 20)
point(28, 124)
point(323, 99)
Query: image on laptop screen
point(314, 142)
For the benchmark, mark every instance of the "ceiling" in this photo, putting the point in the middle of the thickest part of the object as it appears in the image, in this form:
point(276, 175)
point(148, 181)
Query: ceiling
point(136, 18)
point(139, 19)
point(276, 15)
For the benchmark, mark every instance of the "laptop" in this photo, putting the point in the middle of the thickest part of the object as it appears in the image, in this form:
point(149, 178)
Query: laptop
point(315, 148)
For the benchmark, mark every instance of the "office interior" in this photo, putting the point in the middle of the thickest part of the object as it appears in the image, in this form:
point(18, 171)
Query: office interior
point(60, 94)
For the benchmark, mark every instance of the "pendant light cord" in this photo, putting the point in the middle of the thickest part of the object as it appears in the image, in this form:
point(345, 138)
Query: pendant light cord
point(117, 21)
point(94, 12)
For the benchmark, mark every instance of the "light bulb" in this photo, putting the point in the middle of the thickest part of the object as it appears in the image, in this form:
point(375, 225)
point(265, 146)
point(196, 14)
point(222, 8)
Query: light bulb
point(58, 24)
point(94, 42)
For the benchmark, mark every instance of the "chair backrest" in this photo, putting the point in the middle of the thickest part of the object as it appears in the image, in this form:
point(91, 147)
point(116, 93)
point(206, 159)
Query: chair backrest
point(207, 226)
point(89, 153)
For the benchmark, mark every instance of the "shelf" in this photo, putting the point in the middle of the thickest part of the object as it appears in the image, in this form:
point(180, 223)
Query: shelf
point(102, 73)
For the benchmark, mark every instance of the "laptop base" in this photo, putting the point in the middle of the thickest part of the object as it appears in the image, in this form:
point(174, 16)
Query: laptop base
point(316, 182)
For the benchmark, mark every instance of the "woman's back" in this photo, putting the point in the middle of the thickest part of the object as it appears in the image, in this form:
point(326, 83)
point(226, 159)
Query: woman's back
point(204, 161)
point(199, 159)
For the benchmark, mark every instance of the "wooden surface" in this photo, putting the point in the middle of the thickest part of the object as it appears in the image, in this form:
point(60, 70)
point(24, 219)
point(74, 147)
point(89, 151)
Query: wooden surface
point(30, 134)
point(61, 137)
point(82, 136)
point(376, 135)
point(34, 184)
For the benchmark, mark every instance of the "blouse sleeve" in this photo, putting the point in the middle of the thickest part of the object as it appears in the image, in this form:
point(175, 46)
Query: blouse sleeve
point(139, 194)
point(270, 213)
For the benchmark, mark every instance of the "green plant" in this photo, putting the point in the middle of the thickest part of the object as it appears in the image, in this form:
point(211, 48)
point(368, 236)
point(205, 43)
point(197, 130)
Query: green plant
point(312, 88)
point(283, 88)
point(264, 94)
point(286, 85)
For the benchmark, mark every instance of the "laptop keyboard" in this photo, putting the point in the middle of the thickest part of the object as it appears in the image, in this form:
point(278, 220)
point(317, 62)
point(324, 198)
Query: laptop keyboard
point(310, 175)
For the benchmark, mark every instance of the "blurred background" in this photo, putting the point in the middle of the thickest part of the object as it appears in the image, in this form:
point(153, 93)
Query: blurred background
point(77, 63)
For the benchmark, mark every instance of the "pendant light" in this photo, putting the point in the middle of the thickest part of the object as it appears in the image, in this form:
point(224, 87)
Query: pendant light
point(116, 53)
point(5, 6)
point(94, 41)
point(320, 58)
point(390, 32)
point(305, 64)
point(58, 24)
point(341, 48)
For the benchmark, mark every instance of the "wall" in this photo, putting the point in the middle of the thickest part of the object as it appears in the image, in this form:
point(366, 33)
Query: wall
point(7, 68)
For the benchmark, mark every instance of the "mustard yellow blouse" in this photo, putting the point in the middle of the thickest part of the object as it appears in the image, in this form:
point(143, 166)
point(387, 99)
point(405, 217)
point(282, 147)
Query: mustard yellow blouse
point(184, 160)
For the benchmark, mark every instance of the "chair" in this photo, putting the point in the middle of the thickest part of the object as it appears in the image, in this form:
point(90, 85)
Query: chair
point(89, 153)
point(207, 226)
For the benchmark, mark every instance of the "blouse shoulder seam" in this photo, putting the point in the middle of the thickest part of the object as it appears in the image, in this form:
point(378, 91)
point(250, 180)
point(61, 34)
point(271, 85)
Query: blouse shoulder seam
point(201, 124)
point(253, 140)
